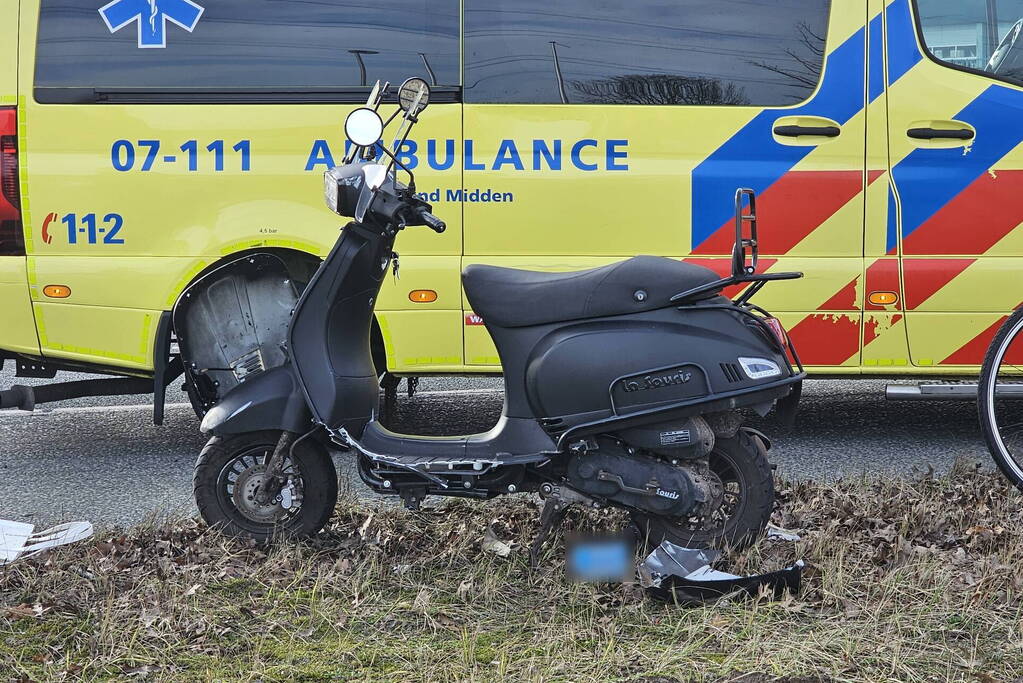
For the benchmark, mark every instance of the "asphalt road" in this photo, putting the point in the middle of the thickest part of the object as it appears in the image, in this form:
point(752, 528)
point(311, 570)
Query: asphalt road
point(103, 459)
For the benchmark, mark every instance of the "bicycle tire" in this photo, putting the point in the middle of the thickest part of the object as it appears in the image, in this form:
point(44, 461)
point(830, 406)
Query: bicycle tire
point(1000, 344)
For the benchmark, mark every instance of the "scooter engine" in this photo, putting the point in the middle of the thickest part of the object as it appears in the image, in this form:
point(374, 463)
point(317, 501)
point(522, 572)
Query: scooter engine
point(636, 481)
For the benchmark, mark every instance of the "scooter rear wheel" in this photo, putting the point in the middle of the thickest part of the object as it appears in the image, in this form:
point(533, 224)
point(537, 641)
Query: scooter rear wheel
point(741, 464)
point(229, 471)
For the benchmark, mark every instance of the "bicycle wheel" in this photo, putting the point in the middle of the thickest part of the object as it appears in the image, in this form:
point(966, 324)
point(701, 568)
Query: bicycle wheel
point(1000, 398)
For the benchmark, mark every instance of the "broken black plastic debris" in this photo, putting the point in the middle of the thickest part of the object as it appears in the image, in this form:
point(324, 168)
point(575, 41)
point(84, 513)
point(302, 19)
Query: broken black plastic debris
point(685, 575)
point(690, 592)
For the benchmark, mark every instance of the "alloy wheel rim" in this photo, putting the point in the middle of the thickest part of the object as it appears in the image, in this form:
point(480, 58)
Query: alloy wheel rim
point(240, 479)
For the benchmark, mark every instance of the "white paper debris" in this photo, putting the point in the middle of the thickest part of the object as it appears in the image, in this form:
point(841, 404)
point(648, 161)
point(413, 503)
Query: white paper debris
point(17, 539)
point(781, 534)
point(13, 537)
point(492, 544)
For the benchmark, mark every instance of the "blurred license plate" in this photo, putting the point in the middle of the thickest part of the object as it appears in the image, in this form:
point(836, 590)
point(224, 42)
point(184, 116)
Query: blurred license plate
point(600, 559)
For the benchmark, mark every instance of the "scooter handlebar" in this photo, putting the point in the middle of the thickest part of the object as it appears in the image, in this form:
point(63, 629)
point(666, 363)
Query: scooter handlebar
point(432, 222)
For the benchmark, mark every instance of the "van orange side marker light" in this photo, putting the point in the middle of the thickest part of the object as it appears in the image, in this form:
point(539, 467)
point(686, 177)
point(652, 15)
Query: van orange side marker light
point(882, 298)
point(57, 291)
point(422, 296)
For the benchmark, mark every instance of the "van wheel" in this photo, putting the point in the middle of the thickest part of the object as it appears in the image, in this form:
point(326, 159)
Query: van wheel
point(748, 499)
point(230, 470)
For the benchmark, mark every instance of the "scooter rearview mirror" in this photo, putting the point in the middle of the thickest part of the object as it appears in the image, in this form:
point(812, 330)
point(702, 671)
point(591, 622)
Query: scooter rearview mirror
point(374, 96)
point(364, 127)
point(413, 96)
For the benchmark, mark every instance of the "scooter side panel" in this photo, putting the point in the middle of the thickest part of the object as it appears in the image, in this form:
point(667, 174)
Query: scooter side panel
point(630, 363)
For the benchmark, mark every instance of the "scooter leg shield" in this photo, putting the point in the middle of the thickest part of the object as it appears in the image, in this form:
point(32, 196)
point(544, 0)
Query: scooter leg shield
point(271, 400)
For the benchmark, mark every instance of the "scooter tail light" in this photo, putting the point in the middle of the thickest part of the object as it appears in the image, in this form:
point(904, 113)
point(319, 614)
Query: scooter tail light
point(778, 331)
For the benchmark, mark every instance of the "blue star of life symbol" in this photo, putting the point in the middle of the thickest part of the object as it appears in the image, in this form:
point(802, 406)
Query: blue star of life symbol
point(152, 17)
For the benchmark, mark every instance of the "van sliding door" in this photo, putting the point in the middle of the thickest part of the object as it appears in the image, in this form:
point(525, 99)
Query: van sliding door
point(598, 131)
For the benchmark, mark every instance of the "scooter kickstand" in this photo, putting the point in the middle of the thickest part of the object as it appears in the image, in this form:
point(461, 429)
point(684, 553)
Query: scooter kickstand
point(551, 517)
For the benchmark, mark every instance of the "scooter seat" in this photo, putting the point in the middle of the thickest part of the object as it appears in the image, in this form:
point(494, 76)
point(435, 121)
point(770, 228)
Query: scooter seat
point(509, 297)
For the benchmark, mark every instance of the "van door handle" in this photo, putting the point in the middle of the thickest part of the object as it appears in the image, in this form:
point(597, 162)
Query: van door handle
point(797, 131)
point(940, 134)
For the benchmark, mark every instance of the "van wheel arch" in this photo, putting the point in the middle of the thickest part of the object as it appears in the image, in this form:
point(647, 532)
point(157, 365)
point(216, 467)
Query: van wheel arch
point(302, 265)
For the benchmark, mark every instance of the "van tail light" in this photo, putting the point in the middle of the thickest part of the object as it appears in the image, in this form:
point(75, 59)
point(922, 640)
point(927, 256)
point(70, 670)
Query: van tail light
point(12, 239)
point(778, 331)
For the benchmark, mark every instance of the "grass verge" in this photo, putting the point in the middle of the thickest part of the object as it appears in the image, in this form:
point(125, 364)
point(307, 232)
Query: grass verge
point(910, 580)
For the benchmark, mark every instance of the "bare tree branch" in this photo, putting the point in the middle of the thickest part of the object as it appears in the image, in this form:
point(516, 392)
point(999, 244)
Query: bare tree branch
point(659, 89)
point(811, 59)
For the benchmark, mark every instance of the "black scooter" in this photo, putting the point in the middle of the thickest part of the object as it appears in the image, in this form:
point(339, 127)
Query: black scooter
point(623, 383)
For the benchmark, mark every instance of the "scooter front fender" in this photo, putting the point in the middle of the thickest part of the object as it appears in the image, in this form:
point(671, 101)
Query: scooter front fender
point(270, 400)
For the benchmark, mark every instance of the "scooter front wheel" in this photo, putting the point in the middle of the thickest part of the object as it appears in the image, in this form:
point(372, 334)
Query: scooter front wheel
point(747, 501)
point(230, 471)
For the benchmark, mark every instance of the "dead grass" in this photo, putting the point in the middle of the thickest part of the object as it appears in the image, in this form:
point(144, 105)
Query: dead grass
point(910, 581)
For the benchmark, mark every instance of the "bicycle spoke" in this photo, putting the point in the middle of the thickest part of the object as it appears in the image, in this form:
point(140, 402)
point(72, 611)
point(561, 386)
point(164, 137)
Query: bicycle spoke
point(1011, 429)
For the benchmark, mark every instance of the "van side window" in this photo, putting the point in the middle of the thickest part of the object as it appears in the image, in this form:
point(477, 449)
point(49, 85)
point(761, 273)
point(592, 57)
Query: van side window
point(977, 35)
point(243, 49)
point(726, 52)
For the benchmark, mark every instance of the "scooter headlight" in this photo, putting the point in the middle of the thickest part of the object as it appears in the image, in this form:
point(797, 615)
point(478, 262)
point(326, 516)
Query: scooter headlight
point(341, 186)
point(330, 192)
point(759, 368)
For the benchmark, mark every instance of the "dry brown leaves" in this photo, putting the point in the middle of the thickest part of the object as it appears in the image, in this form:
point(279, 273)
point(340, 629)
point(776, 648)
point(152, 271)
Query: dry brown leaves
point(875, 548)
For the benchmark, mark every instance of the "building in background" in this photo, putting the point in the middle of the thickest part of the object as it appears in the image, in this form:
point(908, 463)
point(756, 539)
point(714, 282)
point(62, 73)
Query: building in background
point(967, 33)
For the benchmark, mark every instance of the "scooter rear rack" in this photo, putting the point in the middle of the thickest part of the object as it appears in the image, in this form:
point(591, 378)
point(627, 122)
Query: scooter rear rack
point(744, 264)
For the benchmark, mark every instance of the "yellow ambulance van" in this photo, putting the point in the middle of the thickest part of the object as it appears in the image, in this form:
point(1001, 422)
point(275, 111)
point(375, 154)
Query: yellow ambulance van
point(145, 143)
